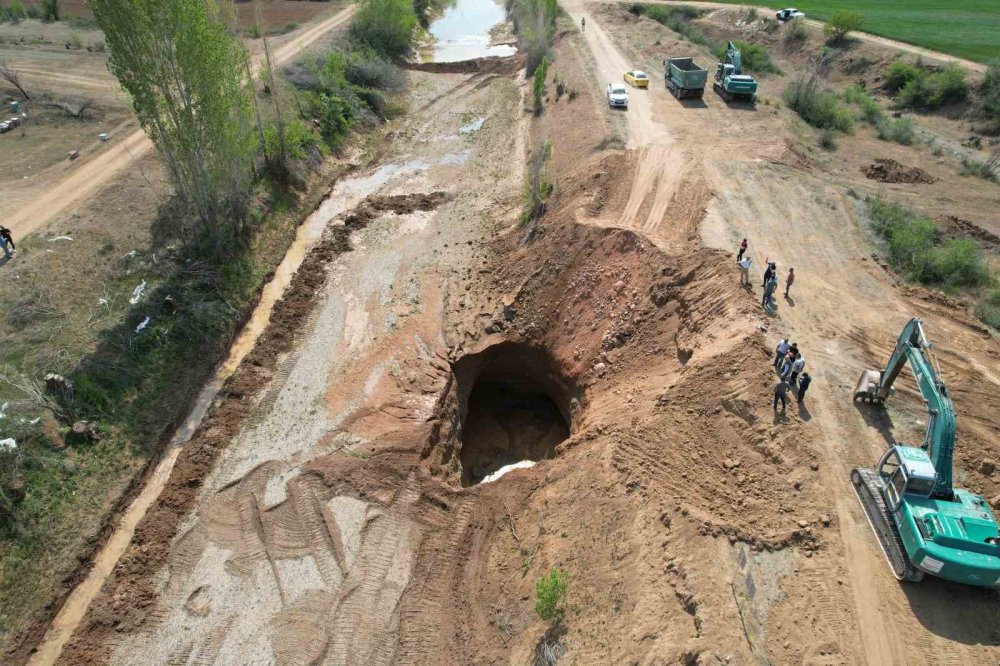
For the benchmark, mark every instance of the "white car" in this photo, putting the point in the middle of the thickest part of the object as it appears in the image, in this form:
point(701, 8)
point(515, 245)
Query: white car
point(789, 14)
point(617, 95)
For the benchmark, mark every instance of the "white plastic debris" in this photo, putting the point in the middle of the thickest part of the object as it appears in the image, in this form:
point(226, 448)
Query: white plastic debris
point(137, 293)
point(60, 238)
point(7, 445)
point(102, 301)
point(524, 464)
point(35, 420)
point(143, 324)
point(3, 410)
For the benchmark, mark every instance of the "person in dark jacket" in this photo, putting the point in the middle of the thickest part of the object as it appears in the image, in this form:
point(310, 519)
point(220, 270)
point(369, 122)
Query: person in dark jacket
point(804, 381)
point(772, 269)
point(743, 249)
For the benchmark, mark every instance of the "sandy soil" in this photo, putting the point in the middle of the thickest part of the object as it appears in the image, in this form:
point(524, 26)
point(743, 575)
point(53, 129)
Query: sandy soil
point(324, 512)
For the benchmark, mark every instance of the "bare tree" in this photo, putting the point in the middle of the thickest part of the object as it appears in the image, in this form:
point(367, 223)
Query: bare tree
point(13, 77)
point(74, 109)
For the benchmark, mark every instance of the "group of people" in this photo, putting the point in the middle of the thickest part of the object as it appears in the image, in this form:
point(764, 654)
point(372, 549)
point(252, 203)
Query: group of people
point(770, 283)
point(790, 365)
point(7, 242)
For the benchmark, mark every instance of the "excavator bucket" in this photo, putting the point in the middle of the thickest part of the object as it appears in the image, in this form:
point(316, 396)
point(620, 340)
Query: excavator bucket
point(868, 386)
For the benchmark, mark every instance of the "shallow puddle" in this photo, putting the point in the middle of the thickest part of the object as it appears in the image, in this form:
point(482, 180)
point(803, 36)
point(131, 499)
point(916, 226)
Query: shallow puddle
point(463, 32)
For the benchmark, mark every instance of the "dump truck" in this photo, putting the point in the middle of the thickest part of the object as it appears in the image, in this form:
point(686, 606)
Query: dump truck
point(684, 78)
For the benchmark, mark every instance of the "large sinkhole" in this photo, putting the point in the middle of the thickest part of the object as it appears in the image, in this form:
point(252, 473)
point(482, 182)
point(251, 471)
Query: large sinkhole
point(514, 407)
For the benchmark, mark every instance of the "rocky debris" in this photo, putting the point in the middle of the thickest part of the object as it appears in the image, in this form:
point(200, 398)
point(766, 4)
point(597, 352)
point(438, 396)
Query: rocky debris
point(891, 171)
point(57, 383)
point(987, 467)
point(824, 520)
point(85, 431)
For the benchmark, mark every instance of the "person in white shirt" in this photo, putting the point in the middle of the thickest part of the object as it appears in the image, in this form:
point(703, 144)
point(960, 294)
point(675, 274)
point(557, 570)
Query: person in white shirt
point(744, 265)
point(780, 351)
point(797, 366)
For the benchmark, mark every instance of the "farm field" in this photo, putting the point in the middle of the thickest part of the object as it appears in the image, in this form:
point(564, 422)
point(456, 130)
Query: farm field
point(966, 28)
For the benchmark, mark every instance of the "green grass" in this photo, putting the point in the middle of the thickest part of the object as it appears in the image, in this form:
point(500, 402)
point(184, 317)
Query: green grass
point(965, 28)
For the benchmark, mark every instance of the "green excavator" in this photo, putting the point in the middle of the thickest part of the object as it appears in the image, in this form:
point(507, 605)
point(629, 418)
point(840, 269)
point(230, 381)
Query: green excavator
point(730, 81)
point(923, 523)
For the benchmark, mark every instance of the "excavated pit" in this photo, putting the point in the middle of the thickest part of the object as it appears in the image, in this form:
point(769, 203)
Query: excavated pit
point(514, 406)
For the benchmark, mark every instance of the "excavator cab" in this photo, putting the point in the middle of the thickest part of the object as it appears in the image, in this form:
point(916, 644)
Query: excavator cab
point(906, 470)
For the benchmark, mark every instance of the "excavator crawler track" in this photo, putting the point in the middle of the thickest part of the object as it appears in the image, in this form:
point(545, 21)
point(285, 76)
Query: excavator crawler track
point(868, 488)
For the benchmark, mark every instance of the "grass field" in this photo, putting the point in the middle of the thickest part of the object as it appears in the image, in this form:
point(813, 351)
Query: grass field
point(965, 28)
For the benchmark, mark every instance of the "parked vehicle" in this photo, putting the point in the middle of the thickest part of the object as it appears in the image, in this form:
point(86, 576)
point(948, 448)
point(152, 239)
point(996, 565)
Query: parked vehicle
point(637, 78)
point(5, 127)
point(789, 14)
point(617, 95)
point(684, 78)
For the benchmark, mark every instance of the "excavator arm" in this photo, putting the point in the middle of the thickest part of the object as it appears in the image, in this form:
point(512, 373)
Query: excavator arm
point(913, 348)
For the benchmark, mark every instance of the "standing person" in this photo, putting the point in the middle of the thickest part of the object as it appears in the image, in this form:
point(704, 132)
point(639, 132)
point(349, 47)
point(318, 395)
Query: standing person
point(780, 351)
point(789, 280)
point(780, 391)
point(769, 288)
point(804, 383)
point(768, 272)
point(6, 242)
point(583, 24)
point(796, 368)
point(743, 248)
point(744, 265)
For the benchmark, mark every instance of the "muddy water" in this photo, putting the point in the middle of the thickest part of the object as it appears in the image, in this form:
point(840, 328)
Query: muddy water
point(346, 194)
point(463, 32)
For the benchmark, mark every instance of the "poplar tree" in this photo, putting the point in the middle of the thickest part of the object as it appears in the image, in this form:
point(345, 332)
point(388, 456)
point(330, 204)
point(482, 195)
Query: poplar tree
point(186, 76)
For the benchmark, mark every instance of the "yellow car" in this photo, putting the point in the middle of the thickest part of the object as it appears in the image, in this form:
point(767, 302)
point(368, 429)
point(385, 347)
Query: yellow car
point(637, 79)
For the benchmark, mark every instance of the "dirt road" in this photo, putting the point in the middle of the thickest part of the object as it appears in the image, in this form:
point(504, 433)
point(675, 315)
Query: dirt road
point(65, 187)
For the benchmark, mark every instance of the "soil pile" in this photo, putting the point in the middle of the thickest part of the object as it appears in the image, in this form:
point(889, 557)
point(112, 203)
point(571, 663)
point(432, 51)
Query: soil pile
point(891, 171)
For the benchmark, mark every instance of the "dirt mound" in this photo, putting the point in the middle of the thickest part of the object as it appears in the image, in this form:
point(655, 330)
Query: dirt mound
point(488, 65)
point(891, 171)
point(401, 204)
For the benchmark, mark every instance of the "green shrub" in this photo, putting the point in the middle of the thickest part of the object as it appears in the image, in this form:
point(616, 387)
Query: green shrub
point(990, 93)
point(676, 18)
point(918, 88)
point(754, 57)
point(840, 24)
point(869, 110)
point(538, 86)
point(535, 23)
point(370, 70)
point(795, 32)
point(899, 131)
point(299, 140)
point(819, 108)
point(550, 595)
point(386, 26)
point(828, 140)
point(15, 9)
point(899, 73)
point(49, 10)
point(988, 308)
point(988, 169)
point(913, 248)
point(33, 11)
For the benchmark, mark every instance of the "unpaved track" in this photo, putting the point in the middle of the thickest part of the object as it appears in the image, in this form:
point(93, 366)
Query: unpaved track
point(839, 303)
point(89, 176)
point(970, 65)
